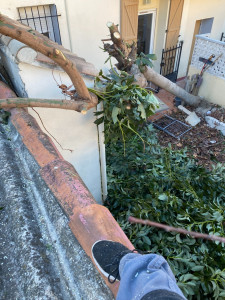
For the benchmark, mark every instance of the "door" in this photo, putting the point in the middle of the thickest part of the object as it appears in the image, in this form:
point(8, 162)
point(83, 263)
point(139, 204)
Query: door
point(146, 29)
point(129, 20)
point(174, 21)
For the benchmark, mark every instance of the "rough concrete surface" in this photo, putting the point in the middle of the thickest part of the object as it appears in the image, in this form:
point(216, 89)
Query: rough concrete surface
point(39, 256)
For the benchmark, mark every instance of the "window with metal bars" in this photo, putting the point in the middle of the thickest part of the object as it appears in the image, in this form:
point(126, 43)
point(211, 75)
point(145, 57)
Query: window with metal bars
point(43, 18)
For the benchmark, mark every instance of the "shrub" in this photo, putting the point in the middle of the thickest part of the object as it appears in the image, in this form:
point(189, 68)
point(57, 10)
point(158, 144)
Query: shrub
point(167, 186)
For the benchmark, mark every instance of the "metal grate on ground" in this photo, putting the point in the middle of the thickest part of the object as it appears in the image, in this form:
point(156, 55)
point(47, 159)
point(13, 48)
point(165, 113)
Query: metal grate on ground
point(173, 127)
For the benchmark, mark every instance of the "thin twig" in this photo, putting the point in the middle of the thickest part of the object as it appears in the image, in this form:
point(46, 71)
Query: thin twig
point(54, 78)
point(106, 40)
point(179, 230)
point(50, 133)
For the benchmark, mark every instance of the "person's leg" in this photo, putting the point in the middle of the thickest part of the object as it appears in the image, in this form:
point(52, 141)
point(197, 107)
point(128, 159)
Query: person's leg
point(147, 277)
point(142, 277)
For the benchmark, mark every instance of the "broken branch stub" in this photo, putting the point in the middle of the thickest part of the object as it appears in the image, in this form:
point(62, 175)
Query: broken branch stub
point(116, 35)
point(123, 54)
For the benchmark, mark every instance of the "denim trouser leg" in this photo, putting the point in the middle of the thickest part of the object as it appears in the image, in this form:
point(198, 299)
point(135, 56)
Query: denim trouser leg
point(141, 274)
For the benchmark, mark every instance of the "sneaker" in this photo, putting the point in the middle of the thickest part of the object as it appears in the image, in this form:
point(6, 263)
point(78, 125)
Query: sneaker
point(107, 256)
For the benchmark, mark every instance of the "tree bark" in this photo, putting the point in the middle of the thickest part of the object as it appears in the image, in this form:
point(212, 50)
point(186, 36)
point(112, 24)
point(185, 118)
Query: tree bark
point(42, 44)
point(79, 105)
point(171, 87)
point(124, 55)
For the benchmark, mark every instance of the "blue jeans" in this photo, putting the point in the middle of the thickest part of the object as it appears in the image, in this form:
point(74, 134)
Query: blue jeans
point(142, 274)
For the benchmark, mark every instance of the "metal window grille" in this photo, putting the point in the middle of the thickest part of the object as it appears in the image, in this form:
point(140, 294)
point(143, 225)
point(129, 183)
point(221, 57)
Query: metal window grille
point(43, 18)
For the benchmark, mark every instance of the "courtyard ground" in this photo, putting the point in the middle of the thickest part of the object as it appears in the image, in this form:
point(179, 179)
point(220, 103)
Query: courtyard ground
point(206, 144)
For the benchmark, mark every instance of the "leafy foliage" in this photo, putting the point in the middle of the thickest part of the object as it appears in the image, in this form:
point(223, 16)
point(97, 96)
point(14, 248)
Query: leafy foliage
point(145, 60)
point(168, 187)
point(126, 105)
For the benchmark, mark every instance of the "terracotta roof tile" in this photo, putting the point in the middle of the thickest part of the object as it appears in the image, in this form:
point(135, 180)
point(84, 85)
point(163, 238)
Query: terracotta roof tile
point(36, 141)
point(89, 221)
point(66, 185)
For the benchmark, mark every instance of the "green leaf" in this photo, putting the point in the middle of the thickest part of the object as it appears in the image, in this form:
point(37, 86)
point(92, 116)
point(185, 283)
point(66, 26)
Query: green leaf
point(146, 62)
point(115, 112)
point(214, 285)
point(99, 121)
point(186, 277)
point(146, 240)
point(197, 268)
point(178, 238)
point(151, 56)
point(142, 110)
point(97, 113)
point(163, 197)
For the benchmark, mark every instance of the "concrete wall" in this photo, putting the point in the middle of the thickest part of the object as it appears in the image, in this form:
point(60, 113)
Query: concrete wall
point(161, 7)
point(213, 85)
point(197, 10)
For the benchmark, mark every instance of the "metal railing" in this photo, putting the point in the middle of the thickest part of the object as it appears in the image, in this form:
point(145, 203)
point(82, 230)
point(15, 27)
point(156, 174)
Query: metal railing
point(170, 62)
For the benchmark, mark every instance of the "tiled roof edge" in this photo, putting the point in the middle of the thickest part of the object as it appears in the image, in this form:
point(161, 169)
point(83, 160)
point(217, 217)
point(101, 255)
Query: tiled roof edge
point(25, 54)
point(88, 220)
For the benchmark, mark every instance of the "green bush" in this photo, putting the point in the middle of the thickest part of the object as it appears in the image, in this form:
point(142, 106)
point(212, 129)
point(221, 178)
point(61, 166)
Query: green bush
point(167, 186)
point(126, 105)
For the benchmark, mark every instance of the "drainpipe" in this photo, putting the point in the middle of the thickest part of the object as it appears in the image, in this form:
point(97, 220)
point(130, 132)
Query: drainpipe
point(68, 25)
point(102, 158)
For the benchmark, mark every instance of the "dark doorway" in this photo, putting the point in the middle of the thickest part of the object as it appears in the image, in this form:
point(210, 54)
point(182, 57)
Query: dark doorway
point(144, 33)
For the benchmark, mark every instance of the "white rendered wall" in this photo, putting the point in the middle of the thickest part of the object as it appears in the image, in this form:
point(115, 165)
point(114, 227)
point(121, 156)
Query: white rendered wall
point(213, 85)
point(197, 10)
point(82, 23)
point(87, 21)
point(72, 129)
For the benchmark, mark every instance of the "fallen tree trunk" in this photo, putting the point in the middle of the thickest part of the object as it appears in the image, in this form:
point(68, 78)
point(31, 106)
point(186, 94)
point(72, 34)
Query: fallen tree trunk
point(171, 87)
point(126, 59)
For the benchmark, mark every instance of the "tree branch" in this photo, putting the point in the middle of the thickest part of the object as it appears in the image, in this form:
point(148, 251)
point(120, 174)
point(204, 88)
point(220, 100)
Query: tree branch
point(179, 230)
point(80, 105)
point(124, 55)
point(40, 43)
